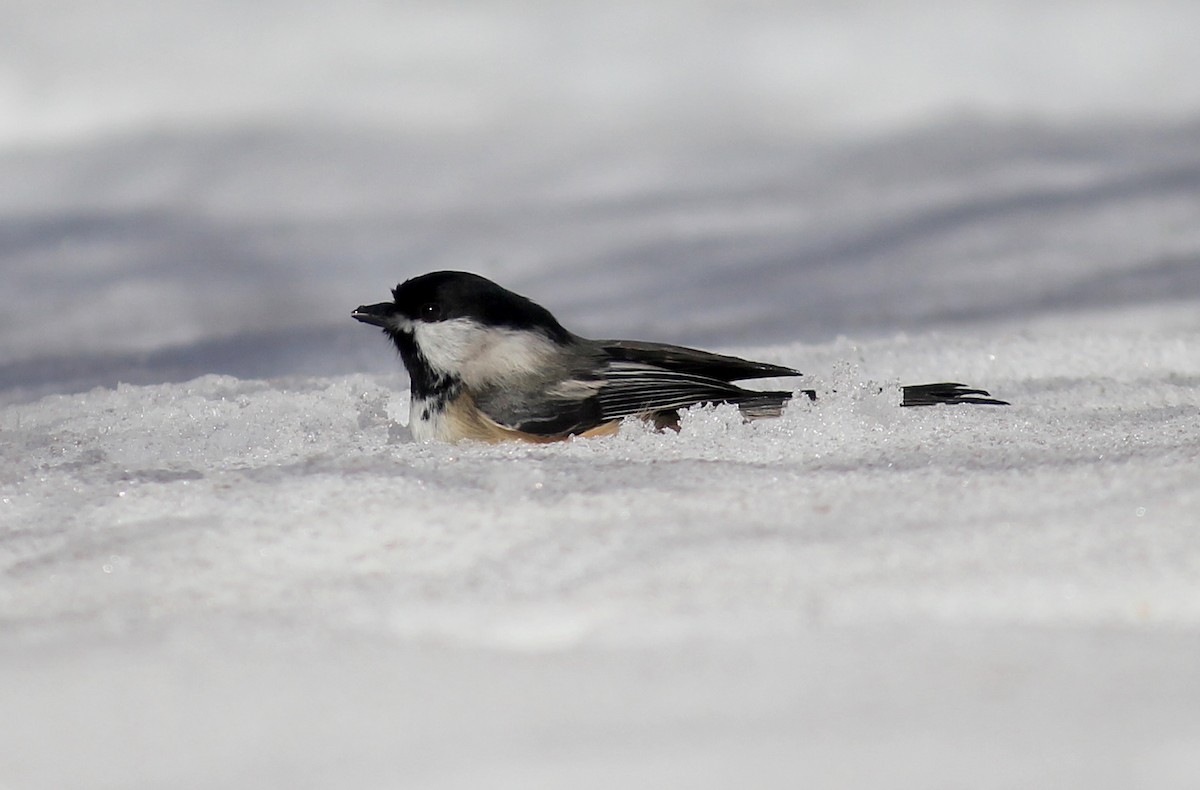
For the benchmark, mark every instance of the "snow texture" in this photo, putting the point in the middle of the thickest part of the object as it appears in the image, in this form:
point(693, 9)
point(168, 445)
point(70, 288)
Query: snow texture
point(225, 562)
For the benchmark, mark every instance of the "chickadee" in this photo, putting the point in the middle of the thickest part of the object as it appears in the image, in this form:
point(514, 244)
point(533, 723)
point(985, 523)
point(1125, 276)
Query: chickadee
point(488, 364)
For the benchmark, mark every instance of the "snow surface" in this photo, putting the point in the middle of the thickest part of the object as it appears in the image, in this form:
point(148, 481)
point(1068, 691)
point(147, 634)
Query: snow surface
point(226, 563)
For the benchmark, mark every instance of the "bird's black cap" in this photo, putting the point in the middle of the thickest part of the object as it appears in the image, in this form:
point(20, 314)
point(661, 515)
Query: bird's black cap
point(441, 296)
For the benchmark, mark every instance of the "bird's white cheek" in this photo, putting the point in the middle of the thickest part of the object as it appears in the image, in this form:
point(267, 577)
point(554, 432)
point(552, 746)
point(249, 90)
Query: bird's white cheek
point(479, 356)
point(505, 357)
point(446, 344)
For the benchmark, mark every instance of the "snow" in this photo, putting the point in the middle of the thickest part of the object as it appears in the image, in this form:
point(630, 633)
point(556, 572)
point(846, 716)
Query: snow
point(225, 562)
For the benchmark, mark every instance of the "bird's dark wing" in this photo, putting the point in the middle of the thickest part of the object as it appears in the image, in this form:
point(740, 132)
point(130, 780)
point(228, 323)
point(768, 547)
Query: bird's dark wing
point(633, 388)
point(690, 360)
point(618, 390)
point(948, 393)
point(571, 406)
point(632, 378)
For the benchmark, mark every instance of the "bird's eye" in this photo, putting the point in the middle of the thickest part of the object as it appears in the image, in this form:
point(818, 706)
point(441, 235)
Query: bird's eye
point(431, 311)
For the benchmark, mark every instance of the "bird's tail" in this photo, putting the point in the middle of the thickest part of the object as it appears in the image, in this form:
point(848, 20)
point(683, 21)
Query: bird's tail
point(756, 405)
point(767, 404)
point(947, 392)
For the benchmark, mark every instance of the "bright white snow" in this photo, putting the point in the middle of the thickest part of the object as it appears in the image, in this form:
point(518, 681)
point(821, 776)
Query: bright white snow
point(224, 561)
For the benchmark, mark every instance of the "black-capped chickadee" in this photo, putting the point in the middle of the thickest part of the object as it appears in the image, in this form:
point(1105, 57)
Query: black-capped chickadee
point(488, 364)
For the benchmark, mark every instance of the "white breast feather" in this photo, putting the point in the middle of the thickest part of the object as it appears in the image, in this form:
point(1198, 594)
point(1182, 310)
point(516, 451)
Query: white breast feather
point(426, 428)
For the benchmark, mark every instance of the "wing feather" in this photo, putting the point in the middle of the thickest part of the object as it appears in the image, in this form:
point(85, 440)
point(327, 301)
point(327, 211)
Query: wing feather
point(634, 379)
point(692, 360)
point(634, 389)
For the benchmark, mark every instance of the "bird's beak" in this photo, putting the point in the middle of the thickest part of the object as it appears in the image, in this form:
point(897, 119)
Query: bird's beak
point(376, 314)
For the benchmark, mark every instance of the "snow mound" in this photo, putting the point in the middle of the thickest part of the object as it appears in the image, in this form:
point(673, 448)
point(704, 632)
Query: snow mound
point(306, 498)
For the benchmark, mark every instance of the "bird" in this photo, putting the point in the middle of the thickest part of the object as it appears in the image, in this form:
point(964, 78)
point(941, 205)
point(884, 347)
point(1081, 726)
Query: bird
point(490, 365)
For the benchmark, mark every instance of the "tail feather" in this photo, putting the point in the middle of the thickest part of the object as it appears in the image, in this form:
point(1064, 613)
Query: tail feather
point(949, 393)
point(762, 404)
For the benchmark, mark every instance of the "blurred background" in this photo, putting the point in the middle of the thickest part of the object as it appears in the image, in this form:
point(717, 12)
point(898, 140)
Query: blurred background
point(190, 187)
